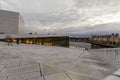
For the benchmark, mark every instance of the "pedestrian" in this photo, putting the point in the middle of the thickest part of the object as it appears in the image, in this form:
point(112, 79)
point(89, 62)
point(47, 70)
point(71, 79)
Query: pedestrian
point(9, 40)
point(86, 48)
point(17, 42)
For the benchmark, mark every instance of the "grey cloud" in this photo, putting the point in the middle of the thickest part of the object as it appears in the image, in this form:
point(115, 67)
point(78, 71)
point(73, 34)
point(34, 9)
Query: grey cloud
point(66, 16)
point(99, 3)
point(50, 18)
point(42, 10)
point(97, 29)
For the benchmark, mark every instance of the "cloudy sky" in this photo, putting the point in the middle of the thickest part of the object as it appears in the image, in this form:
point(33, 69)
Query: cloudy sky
point(67, 16)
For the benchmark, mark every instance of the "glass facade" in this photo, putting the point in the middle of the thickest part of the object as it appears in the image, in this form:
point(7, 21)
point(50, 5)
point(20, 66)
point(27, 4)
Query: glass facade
point(48, 41)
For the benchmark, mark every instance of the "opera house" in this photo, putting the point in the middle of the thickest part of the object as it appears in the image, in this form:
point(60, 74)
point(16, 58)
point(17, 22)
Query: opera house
point(39, 62)
point(12, 25)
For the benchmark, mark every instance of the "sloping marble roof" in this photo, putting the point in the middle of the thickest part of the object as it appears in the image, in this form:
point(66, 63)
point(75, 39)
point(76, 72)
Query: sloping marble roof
point(36, 62)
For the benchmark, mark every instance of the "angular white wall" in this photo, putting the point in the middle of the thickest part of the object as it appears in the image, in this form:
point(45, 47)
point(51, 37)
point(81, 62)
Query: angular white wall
point(11, 22)
point(110, 56)
point(21, 26)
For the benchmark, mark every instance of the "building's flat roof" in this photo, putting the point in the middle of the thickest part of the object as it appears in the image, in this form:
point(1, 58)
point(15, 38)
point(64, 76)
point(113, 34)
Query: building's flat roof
point(36, 62)
point(8, 11)
point(2, 36)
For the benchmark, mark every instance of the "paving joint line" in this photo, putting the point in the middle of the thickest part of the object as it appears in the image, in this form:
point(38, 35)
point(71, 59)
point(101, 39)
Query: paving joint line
point(40, 70)
point(116, 75)
point(67, 75)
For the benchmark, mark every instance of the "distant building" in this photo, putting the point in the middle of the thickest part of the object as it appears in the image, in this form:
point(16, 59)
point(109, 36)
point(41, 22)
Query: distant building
point(74, 39)
point(108, 39)
point(11, 22)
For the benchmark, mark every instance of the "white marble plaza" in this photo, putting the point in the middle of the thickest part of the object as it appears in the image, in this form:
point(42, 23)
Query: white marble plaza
point(36, 62)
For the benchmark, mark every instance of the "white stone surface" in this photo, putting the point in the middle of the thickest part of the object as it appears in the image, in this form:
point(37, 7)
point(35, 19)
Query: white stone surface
point(36, 62)
point(117, 72)
point(112, 78)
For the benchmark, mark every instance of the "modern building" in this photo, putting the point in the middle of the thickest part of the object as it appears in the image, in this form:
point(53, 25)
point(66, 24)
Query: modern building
point(37, 39)
point(12, 30)
point(11, 22)
point(47, 40)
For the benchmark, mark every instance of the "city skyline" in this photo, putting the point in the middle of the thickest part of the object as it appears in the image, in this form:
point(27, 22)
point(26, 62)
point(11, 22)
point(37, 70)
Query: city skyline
point(69, 16)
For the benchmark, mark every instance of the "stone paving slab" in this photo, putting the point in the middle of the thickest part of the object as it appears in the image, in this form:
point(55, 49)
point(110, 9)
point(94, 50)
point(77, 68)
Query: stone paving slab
point(77, 76)
point(33, 75)
point(19, 70)
point(2, 67)
point(112, 78)
point(48, 69)
point(12, 62)
point(28, 61)
point(58, 76)
point(36, 78)
point(117, 72)
point(3, 78)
